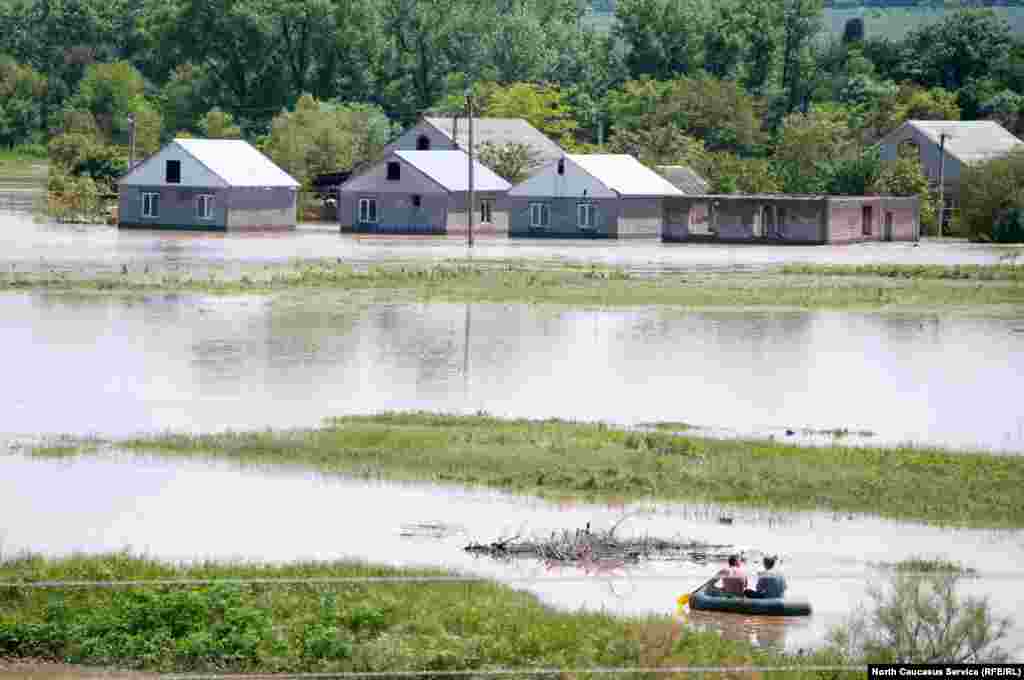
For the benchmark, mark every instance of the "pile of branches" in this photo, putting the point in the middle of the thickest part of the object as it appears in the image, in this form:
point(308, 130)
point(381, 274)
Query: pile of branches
point(586, 545)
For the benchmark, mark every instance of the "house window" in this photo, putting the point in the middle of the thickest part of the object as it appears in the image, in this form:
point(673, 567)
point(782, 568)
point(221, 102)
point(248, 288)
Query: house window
point(540, 215)
point(417, 200)
point(174, 172)
point(561, 166)
point(585, 215)
point(394, 171)
point(368, 210)
point(486, 206)
point(204, 207)
point(423, 143)
point(150, 205)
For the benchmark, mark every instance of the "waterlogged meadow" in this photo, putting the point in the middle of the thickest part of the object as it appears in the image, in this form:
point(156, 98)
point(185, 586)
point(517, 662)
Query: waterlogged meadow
point(558, 459)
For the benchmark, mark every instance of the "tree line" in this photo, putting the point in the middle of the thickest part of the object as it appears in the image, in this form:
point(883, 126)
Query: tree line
point(752, 93)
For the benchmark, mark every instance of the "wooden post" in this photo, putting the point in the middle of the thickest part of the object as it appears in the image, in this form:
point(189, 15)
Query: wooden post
point(131, 141)
point(942, 177)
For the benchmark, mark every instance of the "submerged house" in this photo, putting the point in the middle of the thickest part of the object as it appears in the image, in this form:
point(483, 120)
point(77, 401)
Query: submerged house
point(218, 184)
point(590, 196)
point(793, 219)
point(422, 192)
point(432, 133)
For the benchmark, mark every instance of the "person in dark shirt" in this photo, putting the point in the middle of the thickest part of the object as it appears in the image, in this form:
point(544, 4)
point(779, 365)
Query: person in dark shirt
point(770, 582)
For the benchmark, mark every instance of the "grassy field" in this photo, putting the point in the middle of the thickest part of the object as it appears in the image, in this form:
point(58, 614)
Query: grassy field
point(16, 165)
point(558, 459)
point(806, 288)
point(924, 272)
point(269, 628)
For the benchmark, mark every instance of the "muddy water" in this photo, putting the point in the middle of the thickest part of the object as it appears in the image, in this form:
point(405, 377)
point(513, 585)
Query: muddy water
point(117, 366)
point(196, 509)
point(29, 243)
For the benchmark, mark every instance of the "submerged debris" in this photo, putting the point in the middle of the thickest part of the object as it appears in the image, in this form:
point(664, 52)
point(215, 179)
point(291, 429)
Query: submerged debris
point(586, 545)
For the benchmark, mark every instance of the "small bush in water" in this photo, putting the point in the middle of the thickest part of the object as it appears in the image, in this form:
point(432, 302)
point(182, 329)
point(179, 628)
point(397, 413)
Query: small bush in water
point(919, 617)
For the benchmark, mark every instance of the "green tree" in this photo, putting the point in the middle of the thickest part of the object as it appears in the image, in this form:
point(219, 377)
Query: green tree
point(822, 135)
point(543, 106)
point(110, 92)
point(664, 145)
point(727, 173)
point(21, 92)
point(662, 38)
point(992, 198)
point(320, 137)
point(963, 46)
point(801, 21)
point(742, 40)
point(905, 177)
point(512, 161)
point(217, 124)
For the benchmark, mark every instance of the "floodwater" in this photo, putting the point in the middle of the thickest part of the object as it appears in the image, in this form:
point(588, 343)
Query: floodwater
point(194, 509)
point(112, 365)
point(28, 244)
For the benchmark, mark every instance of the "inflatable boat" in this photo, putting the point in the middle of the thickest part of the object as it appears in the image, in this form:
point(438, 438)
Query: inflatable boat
point(717, 601)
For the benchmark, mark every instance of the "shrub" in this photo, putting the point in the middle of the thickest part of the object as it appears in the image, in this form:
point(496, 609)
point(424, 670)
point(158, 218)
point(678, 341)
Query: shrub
point(918, 617)
point(991, 199)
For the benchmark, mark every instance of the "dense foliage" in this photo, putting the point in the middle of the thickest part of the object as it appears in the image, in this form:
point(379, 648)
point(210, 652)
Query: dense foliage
point(753, 93)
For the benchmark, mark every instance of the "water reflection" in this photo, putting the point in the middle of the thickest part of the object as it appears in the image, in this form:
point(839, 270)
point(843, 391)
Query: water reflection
point(193, 509)
point(128, 365)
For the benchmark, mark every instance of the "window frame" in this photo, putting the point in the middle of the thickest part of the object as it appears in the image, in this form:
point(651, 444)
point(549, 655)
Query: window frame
point(487, 216)
point(167, 171)
point(207, 200)
point(148, 204)
point(368, 201)
point(585, 208)
point(543, 210)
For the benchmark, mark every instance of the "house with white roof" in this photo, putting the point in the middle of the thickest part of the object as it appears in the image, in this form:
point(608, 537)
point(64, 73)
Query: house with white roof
point(591, 196)
point(215, 184)
point(967, 142)
point(422, 192)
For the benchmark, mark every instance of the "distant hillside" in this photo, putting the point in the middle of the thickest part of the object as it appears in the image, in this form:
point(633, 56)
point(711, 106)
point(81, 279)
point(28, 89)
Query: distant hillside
point(891, 19)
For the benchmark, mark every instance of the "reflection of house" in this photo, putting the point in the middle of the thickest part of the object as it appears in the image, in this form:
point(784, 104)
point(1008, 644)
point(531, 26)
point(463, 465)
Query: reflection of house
point(453, 133)
point(967, 142)
point(781, 218)
point(220, 184)
point(596, 196)
point(421, 192)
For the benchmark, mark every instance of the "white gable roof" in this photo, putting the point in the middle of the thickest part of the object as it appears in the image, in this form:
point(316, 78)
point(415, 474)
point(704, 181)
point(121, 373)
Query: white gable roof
point(969, 141)
point(237, 162)
point(625, 175)
point(222, 162)
point(450, 169)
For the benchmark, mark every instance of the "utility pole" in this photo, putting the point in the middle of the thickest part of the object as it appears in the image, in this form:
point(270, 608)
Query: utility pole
point(942, 177)
point(131, 141)
point(469, 212)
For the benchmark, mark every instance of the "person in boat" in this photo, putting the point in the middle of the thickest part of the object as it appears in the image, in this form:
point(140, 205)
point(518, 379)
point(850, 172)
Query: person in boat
point(770, 582)
point(734, 577)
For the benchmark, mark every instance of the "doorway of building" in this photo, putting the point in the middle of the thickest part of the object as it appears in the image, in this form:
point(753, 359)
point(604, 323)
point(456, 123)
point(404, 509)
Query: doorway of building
point(887, 235)
point(866, 220)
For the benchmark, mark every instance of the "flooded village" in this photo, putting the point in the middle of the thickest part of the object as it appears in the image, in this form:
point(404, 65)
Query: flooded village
point(614, 364)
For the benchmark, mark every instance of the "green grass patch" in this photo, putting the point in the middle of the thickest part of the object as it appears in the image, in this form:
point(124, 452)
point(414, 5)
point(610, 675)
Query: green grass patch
point(930, 272)
point(267, 628)
point(596, 462)
point(566, 285)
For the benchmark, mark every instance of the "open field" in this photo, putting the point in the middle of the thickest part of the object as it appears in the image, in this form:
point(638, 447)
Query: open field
point(268, 628)
point(805, 288)
point(558, 459)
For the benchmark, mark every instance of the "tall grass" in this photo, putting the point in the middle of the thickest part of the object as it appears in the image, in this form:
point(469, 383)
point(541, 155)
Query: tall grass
point(795, 286)
point(270, 628)
point(555, 458)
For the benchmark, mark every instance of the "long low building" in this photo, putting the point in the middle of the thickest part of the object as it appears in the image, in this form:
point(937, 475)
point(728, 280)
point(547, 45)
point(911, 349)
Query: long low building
point(795, 219)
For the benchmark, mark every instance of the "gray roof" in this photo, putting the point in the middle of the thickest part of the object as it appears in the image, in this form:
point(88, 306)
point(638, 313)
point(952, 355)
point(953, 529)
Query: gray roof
point(498, 131)
point(683, 178)
point(969, 141)
point(624, 174)
point(450, 169)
